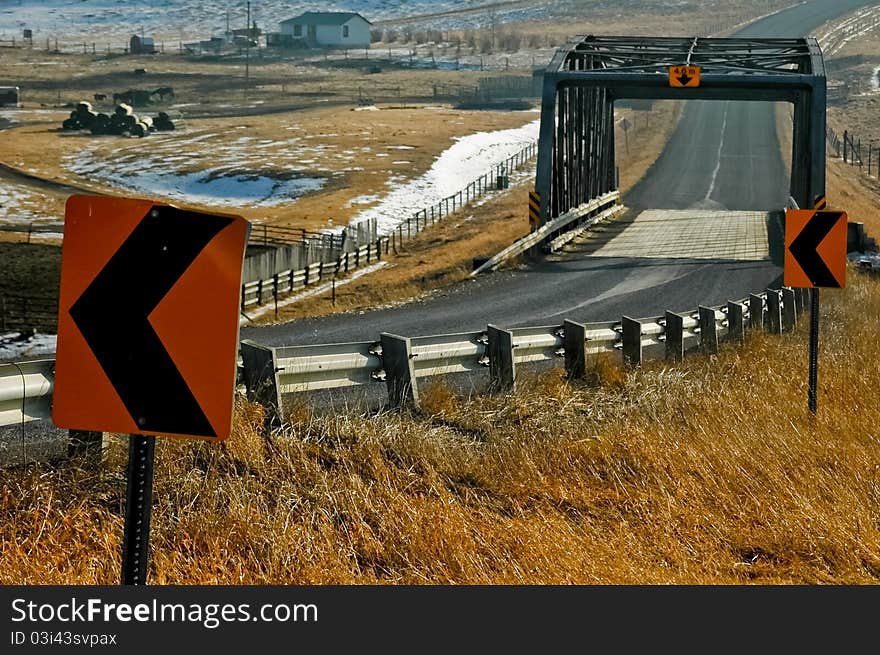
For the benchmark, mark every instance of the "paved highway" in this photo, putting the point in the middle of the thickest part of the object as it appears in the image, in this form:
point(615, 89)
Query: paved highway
point(723, 161)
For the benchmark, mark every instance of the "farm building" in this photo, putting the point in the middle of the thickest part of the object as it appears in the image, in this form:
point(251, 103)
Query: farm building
point(325, 29)
point(142, 45)
point(10, 96)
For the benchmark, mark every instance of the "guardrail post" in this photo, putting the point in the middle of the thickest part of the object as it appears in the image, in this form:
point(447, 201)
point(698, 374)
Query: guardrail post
point(632, 341)
point(708, 331)
point(736, 322)
point(84, 443)
point(799, 300)
point(789, 311)
point(261, 378)
point(756, 312)
point(400, 372)
point(502, 366)
point(774, 312)
point(674, 332)
point(575, 349)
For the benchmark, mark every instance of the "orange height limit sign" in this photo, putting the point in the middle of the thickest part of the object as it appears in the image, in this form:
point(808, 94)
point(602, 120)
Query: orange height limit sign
point(148, 318)
point(684, 76)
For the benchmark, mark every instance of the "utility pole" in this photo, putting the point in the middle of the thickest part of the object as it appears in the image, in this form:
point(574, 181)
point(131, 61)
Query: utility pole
point(247, 49)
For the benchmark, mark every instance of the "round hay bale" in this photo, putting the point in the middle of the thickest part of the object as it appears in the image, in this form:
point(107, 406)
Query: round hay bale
point(139, 130)
point(71, 124)
point(84, 106)
point(146, 120)
point(123, 109)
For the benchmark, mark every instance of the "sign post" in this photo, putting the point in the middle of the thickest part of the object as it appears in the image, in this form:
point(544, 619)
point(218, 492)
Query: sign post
point(147, 334)
point(138, 506)
point(815, 256)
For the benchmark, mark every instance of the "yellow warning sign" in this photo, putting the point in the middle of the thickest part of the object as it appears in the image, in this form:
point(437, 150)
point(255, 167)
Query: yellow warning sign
point(534, 209)
point(684, 76)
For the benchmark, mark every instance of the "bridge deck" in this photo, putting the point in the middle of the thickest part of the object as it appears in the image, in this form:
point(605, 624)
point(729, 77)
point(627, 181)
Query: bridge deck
point(688, 233)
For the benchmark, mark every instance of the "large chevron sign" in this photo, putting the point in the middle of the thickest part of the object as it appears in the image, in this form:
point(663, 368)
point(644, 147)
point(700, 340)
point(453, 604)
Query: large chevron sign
point(815, 248)
point(148, 318)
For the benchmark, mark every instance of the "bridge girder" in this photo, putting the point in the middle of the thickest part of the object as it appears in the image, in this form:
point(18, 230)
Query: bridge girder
point(589, 73)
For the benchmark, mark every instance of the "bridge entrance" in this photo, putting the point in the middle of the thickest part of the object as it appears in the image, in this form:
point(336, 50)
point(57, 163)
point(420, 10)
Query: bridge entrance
point(576, 158)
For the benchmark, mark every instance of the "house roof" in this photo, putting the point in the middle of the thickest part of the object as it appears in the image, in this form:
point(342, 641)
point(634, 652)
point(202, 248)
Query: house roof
point(325, 17)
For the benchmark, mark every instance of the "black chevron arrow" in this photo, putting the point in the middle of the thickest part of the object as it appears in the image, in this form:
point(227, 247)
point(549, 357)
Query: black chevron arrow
point(803, 249)
point(684, 78)
point(112, 314)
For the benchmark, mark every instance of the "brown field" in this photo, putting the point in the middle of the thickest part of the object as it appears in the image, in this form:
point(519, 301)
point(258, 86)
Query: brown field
point(707, 472)
point(630, 477)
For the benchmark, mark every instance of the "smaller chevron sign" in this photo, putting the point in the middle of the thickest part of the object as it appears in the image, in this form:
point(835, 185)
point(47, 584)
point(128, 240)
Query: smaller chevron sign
point(815, 248)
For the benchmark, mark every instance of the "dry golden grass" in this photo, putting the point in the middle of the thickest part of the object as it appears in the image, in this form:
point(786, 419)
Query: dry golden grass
point(708, 472)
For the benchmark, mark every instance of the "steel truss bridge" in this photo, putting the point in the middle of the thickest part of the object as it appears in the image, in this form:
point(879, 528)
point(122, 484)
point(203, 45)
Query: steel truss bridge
point(589, 73)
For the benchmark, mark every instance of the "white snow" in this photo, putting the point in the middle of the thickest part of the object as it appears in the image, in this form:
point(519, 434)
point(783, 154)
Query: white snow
point(14, 347)
point(469, 158)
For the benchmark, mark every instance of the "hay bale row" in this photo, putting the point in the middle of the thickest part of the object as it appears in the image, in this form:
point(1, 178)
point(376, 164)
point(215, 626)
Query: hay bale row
point(123, 120)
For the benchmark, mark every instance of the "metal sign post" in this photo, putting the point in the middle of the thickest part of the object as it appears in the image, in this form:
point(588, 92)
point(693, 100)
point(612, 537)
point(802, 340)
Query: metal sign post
point(138, 508)
point(815, 256)
point(812, 393)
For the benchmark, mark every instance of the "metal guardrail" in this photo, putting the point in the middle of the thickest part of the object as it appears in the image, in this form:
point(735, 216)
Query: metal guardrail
point(286, 282)
point(26, 391)
point(553, 233)
point(400, 363)
point(272, 373)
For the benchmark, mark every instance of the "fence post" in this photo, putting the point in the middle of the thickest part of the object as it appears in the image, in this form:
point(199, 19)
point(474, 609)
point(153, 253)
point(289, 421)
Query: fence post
point(708, 331)
point(502, 365)
point(261, 378)
point(400, 373)
point(789, 312)
point(756, 312)
point(774, 311)
point(674, 336)
point(736, 322)
point(575, 349)
point(632, 341)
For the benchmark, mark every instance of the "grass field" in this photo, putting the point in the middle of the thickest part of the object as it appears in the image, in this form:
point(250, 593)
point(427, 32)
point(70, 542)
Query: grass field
point(709, 472)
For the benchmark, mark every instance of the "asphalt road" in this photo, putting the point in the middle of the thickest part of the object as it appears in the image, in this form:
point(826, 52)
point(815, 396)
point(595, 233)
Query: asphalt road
point(722, 156)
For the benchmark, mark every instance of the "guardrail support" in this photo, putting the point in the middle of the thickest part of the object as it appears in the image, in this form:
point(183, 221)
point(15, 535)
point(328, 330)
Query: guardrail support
point(774, 311)
point(756, 312)
point(674, 333)
point(261, 378)
point(708, 331)
point(502, 367)
point(575, 349)
point(799, 301)
point(400, 371)
point(789, 311)
point(632, 341)
point(736, 322)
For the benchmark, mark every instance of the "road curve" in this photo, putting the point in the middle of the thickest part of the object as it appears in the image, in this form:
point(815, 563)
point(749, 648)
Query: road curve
point(722, 156)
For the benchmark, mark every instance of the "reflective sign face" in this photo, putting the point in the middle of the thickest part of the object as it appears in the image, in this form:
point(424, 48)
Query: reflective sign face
point(815, 248)
point(684, 76)
point(148, 318)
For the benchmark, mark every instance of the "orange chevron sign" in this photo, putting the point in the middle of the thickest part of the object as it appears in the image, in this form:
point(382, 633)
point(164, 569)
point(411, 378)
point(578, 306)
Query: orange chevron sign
point(815, 248)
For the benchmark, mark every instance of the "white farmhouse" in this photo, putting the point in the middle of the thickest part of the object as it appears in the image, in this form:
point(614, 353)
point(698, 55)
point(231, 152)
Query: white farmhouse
point(326, 29)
